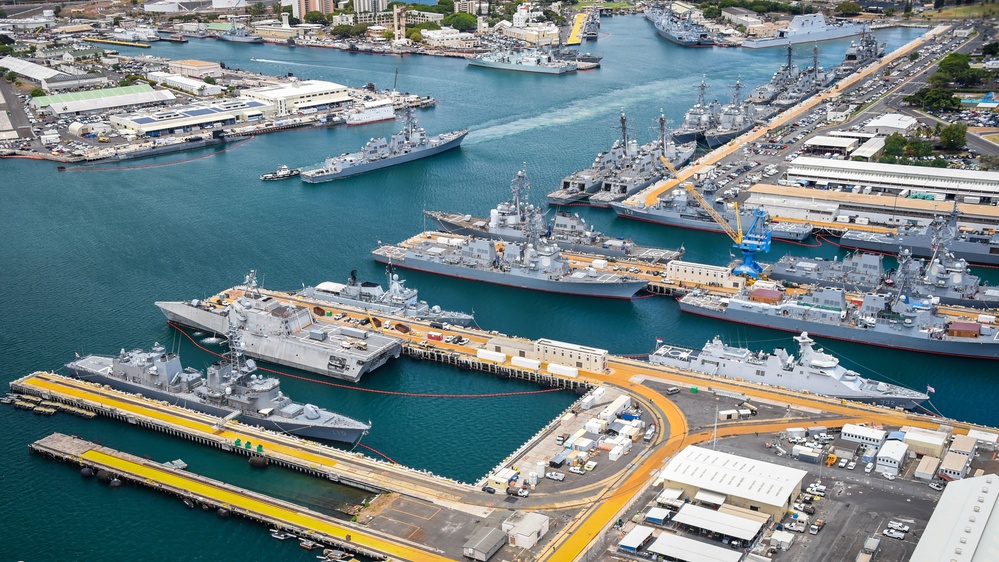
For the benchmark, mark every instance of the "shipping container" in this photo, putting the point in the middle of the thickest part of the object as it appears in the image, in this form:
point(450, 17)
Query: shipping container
point(525, 363)
point(489, 355)
point(556, 369)
point(435, 336)
point(728, 415)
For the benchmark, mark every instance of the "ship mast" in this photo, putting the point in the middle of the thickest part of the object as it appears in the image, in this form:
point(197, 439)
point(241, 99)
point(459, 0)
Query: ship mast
point(815, 63)
point(519, 186)
point(701, 90)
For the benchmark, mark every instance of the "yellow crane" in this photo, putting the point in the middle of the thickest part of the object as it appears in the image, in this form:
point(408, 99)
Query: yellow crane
point(735, 235)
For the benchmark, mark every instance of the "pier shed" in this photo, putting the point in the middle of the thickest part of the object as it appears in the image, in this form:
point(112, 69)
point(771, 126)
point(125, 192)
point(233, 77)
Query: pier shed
point(709, 522)
point(676, 547)
point(892, 457)
point(524, 529)
point(831, 145)
point(925, 442)
point(572, 355)
point(483, 543)
point(963, 521)
point(635, 539)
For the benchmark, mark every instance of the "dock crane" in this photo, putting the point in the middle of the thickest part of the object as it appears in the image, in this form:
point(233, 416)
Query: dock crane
point(756, 238)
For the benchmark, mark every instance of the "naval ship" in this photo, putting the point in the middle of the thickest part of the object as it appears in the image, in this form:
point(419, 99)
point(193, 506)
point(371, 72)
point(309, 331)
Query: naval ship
point(591, 28)
point(534, 264)
point(285, 333)
point(399, 300)
point(860, 55)
point(569, 231)
point(808, 81)
point(813, 371)
point(527, 60)
point(807, 28)
point(238, 34)
point(735, 119)
point(412, 143)
point(783, 80)
point(698, 119)
point(680, 29)
point(231, 387)
point(870, 318)
point(943, 279)
point(623, 170)
point(973, 246)
point(680, 211)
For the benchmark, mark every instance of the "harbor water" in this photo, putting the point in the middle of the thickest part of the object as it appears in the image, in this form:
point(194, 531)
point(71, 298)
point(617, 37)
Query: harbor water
point(85, 254)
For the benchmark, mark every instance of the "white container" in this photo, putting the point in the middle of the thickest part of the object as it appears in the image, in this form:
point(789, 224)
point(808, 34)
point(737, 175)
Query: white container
point(526, 363)
point(490, 355)
point(600, 264)
point(615, 453)
point(563, 370)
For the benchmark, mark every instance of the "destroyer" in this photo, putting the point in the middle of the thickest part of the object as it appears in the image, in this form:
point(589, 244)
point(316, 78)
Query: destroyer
point(569, 231)
point(698, 119)
point(527, 60)
point(238, 33)
point(735, 119)
point(412, 143)
point(533, 264)
point(814, 371)
point(870, 319)
point(860, 55)
point(285, 333)
point(808, 28)
point(231, 387)
point(973, 246)
point(679, 28)
point(398, 300)
point(679, 210)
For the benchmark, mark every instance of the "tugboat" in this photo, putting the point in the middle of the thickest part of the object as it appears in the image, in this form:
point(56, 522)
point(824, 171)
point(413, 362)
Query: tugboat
point(283, 172)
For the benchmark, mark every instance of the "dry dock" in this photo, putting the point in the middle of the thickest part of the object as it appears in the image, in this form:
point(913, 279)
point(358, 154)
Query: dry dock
point(217, 495)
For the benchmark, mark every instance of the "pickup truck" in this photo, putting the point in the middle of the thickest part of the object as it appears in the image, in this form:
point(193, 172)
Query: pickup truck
point(556, 476)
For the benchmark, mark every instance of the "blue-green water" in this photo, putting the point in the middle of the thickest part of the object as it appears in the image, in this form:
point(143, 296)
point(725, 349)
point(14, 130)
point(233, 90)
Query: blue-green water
point(83, 255)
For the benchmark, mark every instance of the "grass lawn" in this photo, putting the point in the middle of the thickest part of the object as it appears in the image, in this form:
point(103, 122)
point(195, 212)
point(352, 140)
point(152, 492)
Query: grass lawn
point(964, 12)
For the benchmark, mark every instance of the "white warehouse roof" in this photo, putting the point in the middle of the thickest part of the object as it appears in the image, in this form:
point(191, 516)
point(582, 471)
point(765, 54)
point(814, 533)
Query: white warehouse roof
point(895, 120)
point(723, 523)
point(894, 450)
point(964, 522)
point(689, 550)
point(636, 537)
point(896, 176)
point(757, 481)
point(30, 69)
point(296, 88)
point(862, 431)
point(835, 142)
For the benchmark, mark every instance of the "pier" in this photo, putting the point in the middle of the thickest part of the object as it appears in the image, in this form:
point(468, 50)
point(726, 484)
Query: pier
point(576, 33)
point(116, 42)
point(225, 498)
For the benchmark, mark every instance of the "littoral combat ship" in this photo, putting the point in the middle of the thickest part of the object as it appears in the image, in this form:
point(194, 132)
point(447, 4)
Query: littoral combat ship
point(814, 371)
point(532, 264)
point(527, 60)
point(569, 231)
point(871, 319)
point(231, 387)
point(398, 300)
point(285, 333)
point(412, 143)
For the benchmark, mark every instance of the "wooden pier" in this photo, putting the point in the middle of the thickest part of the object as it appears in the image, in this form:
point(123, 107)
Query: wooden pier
point(227, 499)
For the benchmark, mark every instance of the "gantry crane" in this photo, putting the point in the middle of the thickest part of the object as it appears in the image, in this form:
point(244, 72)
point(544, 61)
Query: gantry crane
point(756, 239)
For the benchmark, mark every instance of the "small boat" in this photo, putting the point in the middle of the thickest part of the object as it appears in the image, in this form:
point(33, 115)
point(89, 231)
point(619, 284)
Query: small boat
point(61, 168)
point(279, 535)
point(282, 172)
point(308, 545)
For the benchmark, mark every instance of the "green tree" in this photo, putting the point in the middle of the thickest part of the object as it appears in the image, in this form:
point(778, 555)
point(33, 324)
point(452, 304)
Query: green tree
point(460, 21)
point(37, 92)
point(895, 145)
point(3, 14)
point(341, 30)
point(712, 12)
point(359, 29)
point(917, 148)
point(889, 12)
point(415, 36)
point(989, 161)
point(914, 56)
point(315, 17)
point(907, 10)
point(388, 35)
point(11, 76)
point(990, 49)
point(953, 137)
point(256, 9)
point(209, 80)
point(849, 9)
point(125, 82)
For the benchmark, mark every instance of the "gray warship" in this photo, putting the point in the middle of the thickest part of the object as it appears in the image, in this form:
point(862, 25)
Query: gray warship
point(676, 209)
point(532, 264)
point(813, 371)
point(568, 230)
point(698, 119)
point(735, 119)
point(942, 279)
point(679, 28)
point(973, 246)
point(859, 55)
point(398, 300)
point(871, 319)
point(625, 169)
point(231, 387)
point(527, 60)
point(412, 143)
point(285, 333)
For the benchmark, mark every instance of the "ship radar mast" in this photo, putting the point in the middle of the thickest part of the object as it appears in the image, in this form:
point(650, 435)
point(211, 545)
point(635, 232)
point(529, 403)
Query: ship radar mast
point(701, 90)
point(519, 187)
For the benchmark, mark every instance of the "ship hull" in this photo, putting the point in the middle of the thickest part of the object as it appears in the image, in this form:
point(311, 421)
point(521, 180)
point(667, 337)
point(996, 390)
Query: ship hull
point(288, 351)
point(522, 67)
point(683, 137)
point(826, 35)
point(685, 42)
point(605, 290)
point(921, 247)
point(385, 163)
point(344, 435)
point(673, 219)
point(238, 39)
point(721, 139)
point(889, 339)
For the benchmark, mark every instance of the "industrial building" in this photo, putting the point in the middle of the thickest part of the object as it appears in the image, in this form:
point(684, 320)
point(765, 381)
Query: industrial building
point(862, 434)
point(299, 94)
point(964, 444)
point(964, 526)
point(895, 178)
point(93, 101)
point(714, 478)
point(636, 539)
point(723, 526)
point(483, 543)
point(195, 68)
point(955, 465)
point(702, 274)
point(525, 529)
point(892, 123)
point(192, 86)
point(891, 457)
point(187, 118)
point(870, 150)
point(986, 440)
point(831, 145)
point(925, 442)
point(675, 547)
point(927, 468)
point(571, 355)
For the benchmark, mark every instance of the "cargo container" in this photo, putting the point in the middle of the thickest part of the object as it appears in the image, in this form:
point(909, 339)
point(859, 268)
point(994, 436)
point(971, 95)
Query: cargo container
point(556, 369)
point(616, 453)
point(435, 336)
point(728, 415)
point(525, 363)
point(490, 355)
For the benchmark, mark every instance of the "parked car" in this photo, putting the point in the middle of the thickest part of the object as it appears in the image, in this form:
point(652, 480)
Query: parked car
point(556, 476)
point(898, 526)
point(576, 470)
point(869, 467)
point(852, 465)
point(892, 533)
point(523, 492)
point(489, 489)
point(842, 463)
point(936, 486)
point(888, 476)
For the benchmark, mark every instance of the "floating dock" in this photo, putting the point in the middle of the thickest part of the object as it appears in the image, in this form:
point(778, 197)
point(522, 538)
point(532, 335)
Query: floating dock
point(225, 498)
point(576, 34)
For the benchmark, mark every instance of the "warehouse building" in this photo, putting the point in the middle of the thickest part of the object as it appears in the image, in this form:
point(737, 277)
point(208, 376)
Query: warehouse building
point(964, 444)
point(896, 178)
point(955, 465)
point(964, 525)
point(702, 274)
point(93, 101)
point(525, 529)
point(870, 150)
point(722, 526)
point(300, 94)
point(483, 543)
point(927, 468)
point(831, 145)
point(892, 123)
point(675, 547)
point(635, 539)
point(925, 441)
point(714, 478)
point(195, 68)
point(862, 434)
point(187, 118)
point(891, 457)
point(194, 86)
point(572, 355)
point(986, 440)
